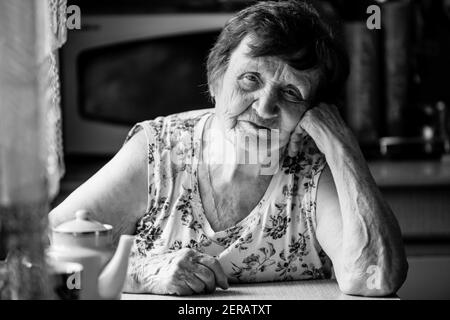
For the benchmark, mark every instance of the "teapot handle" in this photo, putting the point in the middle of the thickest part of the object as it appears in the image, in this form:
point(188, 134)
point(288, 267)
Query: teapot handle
point(112, 278)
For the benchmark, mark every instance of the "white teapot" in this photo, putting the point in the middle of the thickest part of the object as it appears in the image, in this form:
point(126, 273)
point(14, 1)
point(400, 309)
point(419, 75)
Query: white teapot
point(90, 243)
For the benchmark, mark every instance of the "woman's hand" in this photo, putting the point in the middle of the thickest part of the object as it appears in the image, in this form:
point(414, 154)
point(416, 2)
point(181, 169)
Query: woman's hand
point(326, 127)
point(183, 272)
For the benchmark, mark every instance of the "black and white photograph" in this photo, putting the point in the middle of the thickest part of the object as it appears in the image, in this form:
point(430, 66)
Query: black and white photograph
point(241, 151)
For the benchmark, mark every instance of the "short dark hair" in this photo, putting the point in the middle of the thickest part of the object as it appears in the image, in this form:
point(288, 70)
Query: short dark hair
point(292, 30)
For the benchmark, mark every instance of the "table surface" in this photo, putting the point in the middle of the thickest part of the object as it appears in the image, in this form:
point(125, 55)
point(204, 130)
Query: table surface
point(291, 290)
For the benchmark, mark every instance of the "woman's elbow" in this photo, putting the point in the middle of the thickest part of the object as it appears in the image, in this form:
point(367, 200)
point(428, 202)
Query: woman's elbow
point(375, 282)
point(60, 214)
point(53, 218)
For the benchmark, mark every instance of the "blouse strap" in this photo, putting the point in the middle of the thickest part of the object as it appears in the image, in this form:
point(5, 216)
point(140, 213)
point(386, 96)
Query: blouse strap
point(151, 134)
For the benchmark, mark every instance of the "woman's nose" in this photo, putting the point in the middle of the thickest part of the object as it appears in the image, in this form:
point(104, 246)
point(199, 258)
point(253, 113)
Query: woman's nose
point(266, 104)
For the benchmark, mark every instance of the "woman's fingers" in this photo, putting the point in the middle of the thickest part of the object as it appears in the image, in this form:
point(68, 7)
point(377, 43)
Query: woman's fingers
point(181, 289)
point(193, 272)
point(195, 284)
point(206, 276)
point(185, 272)
point(311, 123)
point(294, 145)
point(295, 140)
point(214, 265)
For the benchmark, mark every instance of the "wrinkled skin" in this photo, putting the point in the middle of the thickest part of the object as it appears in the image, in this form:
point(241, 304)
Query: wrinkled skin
point(322, 122)
point(183, 272)
point(263, 90)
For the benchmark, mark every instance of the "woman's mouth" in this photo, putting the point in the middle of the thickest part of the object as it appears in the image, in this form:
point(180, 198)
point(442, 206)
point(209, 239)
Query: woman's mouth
point(254, 125)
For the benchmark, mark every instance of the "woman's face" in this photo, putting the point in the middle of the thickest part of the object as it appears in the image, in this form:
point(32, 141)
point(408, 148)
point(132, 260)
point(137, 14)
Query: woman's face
point(256, 94)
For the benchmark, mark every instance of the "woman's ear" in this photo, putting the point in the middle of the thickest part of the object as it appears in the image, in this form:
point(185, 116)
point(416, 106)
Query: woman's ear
point(212, 94)
point(216, 84)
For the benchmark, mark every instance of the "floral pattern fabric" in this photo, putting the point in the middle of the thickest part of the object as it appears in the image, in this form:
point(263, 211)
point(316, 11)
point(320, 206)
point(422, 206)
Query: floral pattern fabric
point(275, 242)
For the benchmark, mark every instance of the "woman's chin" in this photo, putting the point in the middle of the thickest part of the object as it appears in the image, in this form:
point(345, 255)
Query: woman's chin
point(251, 139)
point(248, 130)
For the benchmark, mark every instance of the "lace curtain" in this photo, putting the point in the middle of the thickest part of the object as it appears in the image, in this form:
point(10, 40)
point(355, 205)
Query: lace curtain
point(55, 163)
point(28, 62)
point(31, 160)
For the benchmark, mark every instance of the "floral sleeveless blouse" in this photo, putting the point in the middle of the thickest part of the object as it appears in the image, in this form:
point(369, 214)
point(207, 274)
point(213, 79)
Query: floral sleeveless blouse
point(275, 242)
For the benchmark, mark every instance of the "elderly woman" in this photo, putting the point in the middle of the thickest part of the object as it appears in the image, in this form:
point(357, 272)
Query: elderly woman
point(295, 201)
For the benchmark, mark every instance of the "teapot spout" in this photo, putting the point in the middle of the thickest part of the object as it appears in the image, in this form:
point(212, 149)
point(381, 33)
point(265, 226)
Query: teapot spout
point(112, 278)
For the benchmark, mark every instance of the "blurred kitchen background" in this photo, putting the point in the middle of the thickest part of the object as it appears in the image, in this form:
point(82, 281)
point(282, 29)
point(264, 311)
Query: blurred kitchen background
point(137, 59)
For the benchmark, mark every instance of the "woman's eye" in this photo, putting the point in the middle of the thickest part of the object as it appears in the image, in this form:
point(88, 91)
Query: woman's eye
point(251, 77)
point(249, 81)
point(292, 95)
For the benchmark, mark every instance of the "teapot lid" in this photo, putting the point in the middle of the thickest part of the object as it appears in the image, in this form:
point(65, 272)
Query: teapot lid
point(82, 224)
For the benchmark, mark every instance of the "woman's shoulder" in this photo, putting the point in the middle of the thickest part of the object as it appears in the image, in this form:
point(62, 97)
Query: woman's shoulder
point(180, 123)
point(181, 117)
point(166, 126)
point(192, 114)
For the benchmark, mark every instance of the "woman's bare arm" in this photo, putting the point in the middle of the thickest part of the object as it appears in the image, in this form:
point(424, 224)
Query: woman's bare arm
point(360, 234)
point(355, 225)
point(116, 194)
